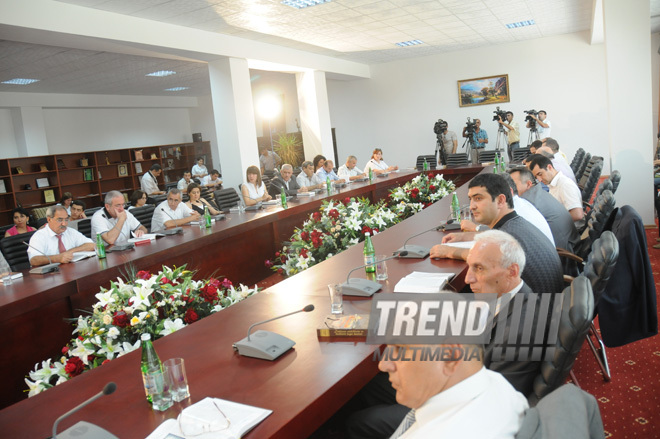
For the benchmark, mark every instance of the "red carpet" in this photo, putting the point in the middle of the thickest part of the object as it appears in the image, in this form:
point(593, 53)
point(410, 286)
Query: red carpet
point(630, 403)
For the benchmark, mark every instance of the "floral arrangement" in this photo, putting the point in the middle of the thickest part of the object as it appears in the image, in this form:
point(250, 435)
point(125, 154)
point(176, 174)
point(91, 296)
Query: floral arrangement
point(419, 193)
point(159, 304)
point(339, 225)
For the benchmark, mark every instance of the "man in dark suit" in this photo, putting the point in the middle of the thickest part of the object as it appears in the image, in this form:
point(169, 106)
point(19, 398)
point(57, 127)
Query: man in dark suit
point(284, 180)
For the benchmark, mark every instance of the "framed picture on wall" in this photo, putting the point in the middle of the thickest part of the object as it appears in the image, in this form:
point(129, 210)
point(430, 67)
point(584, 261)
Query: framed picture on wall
point(122, 170)
point(42, 182)
point(483, 91)
point(138, 168)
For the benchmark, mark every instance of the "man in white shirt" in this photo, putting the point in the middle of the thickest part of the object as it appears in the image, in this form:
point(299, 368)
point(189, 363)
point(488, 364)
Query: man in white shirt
point(543, 125)
point(307, 179)
point(150, 180)
point(554, 146)
point(212, 181)
point(350, 171)
point(557, 162)
point(561, 187)
point(172, 212)
point(57, 240)
point(199, 170)
point(183, 184)
point(115, 224)
point(327, 171)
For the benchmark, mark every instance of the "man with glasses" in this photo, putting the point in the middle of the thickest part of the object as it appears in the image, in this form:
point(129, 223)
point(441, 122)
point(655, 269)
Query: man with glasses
point(172, 212)
point(57, 240)
point(114, 223)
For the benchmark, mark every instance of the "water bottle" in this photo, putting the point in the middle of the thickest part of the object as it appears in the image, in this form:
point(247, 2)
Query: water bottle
point(283, 198)
point(328, 184)
point(497, 163)
point(371, 175)
point(369, 254)
point(155, 383)
point(5, 271)
point(100, 246)
point(455, 208)
point(426, 165)
point(207, 217)
point(503, 165)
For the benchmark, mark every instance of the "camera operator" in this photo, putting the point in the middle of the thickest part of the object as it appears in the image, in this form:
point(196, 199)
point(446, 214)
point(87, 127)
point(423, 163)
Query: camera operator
point(480, 138)
point(543, 124)
point(512, 132)
point(450, 141)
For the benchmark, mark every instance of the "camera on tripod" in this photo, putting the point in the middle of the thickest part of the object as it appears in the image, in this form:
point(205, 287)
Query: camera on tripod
point(470, 126)
point(439, 128)
point(499, 114)
point(530, 119)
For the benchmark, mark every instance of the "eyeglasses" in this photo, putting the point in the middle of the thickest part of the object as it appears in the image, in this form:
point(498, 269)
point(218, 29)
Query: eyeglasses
point(210, 419)
point(62, 220)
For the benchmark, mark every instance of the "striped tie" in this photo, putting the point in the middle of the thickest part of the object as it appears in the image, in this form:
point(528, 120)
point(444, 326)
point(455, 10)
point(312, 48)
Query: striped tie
point(408, 421)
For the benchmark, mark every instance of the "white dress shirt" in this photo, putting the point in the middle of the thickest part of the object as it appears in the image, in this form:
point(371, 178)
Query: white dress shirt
point(255, 193)
point(149, 183)
point(482, 406)
point(199, 170)
point(46, 241)
point(182, 185)
point(346, 173)
point(207, 180)
point(305, 181)
point(528, 211)
point(565, 191)
point(373, 164)
point(103, 222)
point(163, 213)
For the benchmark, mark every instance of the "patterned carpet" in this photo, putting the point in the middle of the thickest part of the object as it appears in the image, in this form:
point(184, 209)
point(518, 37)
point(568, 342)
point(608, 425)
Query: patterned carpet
point(630, 403)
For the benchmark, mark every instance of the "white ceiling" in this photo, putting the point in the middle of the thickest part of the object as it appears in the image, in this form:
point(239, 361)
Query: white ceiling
point(364, 31)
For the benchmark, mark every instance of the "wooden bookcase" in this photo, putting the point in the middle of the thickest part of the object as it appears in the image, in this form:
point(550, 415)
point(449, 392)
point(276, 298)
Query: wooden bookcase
point(88, 176)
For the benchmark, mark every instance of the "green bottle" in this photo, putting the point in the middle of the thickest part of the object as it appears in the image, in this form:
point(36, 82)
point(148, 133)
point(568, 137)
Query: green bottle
point(371, 175)
point(100, 246)
point(503, 165)
point(283, 198)
point(426, 165)
point(497, 163)
point(455, 208)
point(369, 254)
point(328, 184)
point(152, 370)
point(207, 217)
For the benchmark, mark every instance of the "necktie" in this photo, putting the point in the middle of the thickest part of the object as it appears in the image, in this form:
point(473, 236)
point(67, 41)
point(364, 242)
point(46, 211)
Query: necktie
point(60, 244)
point(407, 422)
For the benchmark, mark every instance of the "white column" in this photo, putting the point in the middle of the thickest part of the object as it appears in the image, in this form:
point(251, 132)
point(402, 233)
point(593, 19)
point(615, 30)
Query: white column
point(315, 114)
point(233, 113)
point(30, 131)
point(630, 109)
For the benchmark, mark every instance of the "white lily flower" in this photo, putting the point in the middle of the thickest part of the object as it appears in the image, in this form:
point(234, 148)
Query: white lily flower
point(113, 333)
point(171, 327)
point(81, 351)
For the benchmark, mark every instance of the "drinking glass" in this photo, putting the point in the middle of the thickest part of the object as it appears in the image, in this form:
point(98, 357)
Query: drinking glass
point(336, 299)
point(176, 370)
point(381, 267)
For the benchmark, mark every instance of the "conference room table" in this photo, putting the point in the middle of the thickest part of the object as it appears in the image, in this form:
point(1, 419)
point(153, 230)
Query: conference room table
point(303, 388)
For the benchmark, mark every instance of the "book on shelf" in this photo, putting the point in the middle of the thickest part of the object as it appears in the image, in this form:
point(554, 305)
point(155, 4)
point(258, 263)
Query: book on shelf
point(88, 174)
point(43, 167)
point(49, 196)
point(339, 325)
point(19, 170)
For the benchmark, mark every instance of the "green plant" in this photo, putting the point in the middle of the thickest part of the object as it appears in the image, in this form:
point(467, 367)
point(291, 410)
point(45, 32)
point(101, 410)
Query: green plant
point(289, 148)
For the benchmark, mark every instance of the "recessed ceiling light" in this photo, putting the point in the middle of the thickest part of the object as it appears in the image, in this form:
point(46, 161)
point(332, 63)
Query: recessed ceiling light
point(177, 88)
point(161, 73)
point(409, 43)
point(300, 4)
point(20, 81)
point(520, 24)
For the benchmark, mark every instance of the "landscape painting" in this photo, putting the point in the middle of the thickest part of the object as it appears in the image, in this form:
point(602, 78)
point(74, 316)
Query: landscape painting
point(483, 91)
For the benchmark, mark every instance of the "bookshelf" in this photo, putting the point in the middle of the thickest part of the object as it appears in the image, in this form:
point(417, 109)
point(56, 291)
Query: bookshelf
point(88, 176)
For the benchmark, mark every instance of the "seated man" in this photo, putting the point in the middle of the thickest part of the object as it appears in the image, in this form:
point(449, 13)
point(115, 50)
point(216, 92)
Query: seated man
point(307, 179)
point(57, 240)
point(350, 171)
point(213, 180)
point(327, 171)
point(454, 398)
point(77, 213)
point(115, 224)
point(557, 162)
point(172, 212)
point(182, 185)
point(561, 187)
point(199, 170)
point(285, 181)
point(491, 204)
point(149, 181)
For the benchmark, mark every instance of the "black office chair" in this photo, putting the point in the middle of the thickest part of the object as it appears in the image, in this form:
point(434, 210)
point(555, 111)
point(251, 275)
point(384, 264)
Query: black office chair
point(591, 181)
point(156, 199)
point(226, 198)
point(15, 251)
point(144, 214)
point(4, 229)
point(596, 221)
point(577, 160)
point(576, 315)
point(615, 178)
point(484, 156)
point(430, 160)
point(582, 166)
point(89, 212)
point(460, 159)
point(85, 227)
point(41, 222)
point(520, 154)
point(171, 185)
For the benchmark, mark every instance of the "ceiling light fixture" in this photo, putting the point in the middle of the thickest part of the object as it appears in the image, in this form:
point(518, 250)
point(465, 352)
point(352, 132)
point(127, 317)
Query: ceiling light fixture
point(301, 4)
point(520, 24)
point(409, 43)
point(20, 81)
point(177, 88)
point(161, 73)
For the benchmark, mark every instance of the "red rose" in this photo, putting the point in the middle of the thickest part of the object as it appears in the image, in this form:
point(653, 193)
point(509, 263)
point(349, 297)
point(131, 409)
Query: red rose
point(280, 271)
point(316, 216)
point(277, 254)
point(347, 200)
point(226, 283)
point(303, 253)
point(432, 188)
point(209, 293)
point(283, 258)
point(268, 263)
point(334, 213)
point(144, 275)
point(214, 282)
point(191, 316)
point(121, 320)
point(375, 230)
point(304, 236)
point(367, 229)
point(74, 367)
point(161, 312)
point(431, 175)
point(316, 242)
point(65, 349)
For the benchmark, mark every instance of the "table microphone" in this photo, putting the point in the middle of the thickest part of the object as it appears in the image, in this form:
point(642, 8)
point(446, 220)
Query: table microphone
point(44, 269)
point(417, 251)
point(365, 287)
point(266, 345)
point(174, 230)
point(82, 429)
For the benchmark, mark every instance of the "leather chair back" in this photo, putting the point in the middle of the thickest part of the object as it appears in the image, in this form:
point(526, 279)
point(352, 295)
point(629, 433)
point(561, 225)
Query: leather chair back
point(577, 159)
point(591, 181)
point(89, 212)
point(601, 263)
point(520, 154)
point(144, 214)
point(226, 198)
point(582, 166)
point(430, 159)
point(85, 227)
point(486, 156)
point(615, 178)
point(460, 159)
point(576, 315)
point(15, 251)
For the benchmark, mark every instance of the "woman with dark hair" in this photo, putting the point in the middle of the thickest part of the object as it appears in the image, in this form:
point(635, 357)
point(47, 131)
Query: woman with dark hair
point(66, 200)
point(254, 190)
point(318, 161)
point(21, 217)
point(138, 199)
point(196, 201)
point(377, 165)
